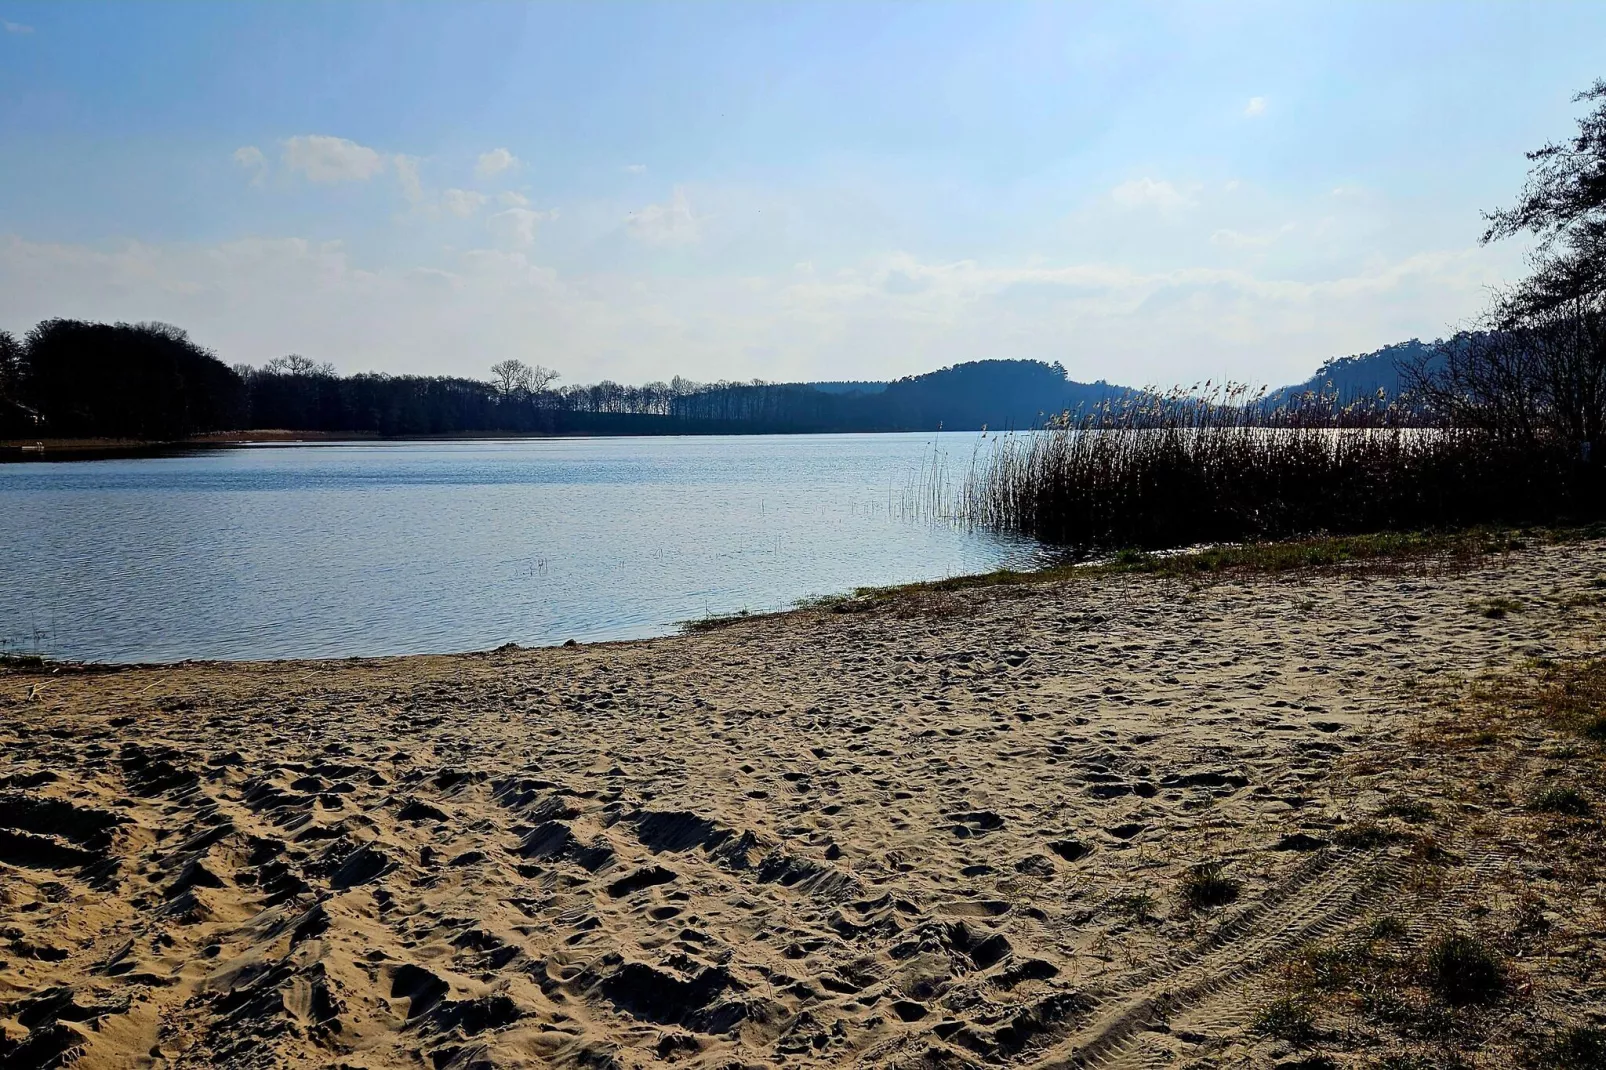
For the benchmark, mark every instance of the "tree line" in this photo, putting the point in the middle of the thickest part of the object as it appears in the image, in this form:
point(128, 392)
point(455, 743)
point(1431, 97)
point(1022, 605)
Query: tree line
point(152, 382)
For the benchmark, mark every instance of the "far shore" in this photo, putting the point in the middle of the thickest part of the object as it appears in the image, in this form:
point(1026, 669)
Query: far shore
point(85, 449)
point(98, 449)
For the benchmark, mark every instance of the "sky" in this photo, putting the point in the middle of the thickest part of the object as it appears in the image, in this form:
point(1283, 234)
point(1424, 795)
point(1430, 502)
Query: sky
point(1146, 193)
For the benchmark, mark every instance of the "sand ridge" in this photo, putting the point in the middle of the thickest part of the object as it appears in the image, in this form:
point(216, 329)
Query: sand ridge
point(944, 831)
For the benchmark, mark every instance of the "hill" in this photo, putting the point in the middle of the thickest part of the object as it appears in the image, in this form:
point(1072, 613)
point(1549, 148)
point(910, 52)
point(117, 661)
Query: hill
point(1362, 375)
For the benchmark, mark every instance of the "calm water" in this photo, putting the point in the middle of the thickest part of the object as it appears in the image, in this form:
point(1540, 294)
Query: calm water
point(292, 551)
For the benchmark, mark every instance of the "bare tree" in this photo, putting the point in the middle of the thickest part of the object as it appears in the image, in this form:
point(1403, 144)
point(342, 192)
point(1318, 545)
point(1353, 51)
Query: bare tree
point(542, 377)
point(296, 364)
point(165, 330)
point(516, 377)
point(1521, 381)
point(510, 376)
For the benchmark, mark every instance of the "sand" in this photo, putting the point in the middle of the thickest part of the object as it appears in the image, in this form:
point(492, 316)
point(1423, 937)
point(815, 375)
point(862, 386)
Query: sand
point(948, 830)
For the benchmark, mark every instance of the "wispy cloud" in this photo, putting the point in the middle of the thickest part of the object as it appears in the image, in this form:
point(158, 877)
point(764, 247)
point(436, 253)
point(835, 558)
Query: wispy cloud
point(1228, 238)
point(412, 185)
point(322, 158)
point(665, 224)
point(1256, 106)
point(250, 157)
point(516, 226)
point(495, 162)
point(1150, 193)
point(463, 202)
point(634, 168)
point(15, 27)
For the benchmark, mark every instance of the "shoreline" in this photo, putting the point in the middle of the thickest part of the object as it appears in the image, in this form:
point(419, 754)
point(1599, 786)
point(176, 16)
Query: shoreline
point(953, 825)
point(1197, 564)
point(85, 449)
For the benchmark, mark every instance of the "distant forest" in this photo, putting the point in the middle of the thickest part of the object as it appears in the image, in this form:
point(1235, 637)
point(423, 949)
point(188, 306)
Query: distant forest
point(150, 381)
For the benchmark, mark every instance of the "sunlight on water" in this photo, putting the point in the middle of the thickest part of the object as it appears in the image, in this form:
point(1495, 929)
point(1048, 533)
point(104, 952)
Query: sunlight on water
point(300, 551)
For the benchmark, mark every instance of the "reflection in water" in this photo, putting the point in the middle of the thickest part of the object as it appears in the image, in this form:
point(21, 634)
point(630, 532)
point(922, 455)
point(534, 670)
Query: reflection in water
point(401, 548)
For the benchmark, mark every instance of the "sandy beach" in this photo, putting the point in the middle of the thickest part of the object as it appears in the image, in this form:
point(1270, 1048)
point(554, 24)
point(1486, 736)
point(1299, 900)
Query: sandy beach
point(946, 829)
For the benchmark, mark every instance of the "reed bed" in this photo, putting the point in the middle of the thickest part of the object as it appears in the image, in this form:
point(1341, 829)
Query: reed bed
point(1182, 469)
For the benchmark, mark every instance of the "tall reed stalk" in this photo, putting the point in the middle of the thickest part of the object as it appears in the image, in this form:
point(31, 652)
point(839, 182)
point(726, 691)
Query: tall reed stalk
point(1161, 471)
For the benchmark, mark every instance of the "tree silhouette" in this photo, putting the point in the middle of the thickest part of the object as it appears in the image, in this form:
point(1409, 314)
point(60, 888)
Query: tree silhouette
point(1536, 366)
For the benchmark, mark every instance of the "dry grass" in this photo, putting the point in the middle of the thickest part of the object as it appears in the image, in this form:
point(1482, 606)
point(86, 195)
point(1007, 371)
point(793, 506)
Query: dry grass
point(1497, 979)
point(1207, 884)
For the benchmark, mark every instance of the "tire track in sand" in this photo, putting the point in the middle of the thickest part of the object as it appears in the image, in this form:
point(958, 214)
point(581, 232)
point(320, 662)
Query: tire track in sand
point(1208, 1005)
point(1331, 888)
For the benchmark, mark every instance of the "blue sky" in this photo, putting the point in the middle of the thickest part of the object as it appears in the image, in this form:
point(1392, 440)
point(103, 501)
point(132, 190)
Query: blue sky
point(1147, 193)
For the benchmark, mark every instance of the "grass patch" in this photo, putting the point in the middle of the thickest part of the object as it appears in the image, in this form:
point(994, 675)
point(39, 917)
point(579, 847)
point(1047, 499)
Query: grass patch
point(1570, 696)
point(1450, 549)
point(1207, 884)
point(1287, 1018)
point(1560, 799)
point(713, 624)
point(1464, 970)
point(1497, 608)
point(1388, 928)
point(1137, 907)
point(1578, 1048)
point(1363, 834)
point(22, 662)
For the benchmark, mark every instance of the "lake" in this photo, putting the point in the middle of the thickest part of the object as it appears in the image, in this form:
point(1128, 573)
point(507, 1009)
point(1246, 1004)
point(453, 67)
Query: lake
point(395, 548)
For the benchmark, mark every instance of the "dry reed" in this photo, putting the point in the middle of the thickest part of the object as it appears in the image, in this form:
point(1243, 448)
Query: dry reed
point(1221, 465)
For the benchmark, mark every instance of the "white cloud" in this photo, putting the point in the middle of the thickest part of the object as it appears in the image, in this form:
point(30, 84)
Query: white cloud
point(1256, 106)
point(495, 162)
point(665, 224)
point(463, 202)
point(1150, 193)
point(259, 298)
point(510, 199)
point(331, 159)
point(516, 226)
point(15, 27)
point(1237, 239)
point(250, 157)
point(634, 168)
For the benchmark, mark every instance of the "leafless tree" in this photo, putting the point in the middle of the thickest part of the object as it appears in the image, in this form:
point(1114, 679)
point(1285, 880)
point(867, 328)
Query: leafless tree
point(296, 364)
point(514, 376)
point(1541, 377)
point(510, 376)
point(542, 377)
